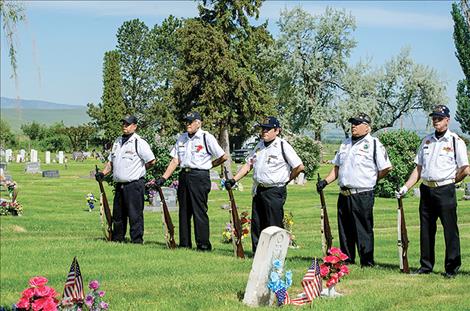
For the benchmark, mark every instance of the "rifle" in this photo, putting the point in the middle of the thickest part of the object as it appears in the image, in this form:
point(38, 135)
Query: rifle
point(108, 231)
point(169, 227)
point(236, 223)
point(326, 237)
point(402, 239)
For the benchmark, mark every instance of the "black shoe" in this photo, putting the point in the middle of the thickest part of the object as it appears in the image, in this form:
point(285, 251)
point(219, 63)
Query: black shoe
point(422, 271)
point(449, 275)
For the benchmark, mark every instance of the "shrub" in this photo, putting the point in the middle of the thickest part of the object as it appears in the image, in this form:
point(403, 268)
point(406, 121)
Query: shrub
point(401, 148)
point(309, 152)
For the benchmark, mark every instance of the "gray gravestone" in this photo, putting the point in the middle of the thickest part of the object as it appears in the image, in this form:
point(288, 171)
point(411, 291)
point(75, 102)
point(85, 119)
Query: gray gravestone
point(32, 168)
point(273, 244)
point(170, 198)
point(416, 192)
point(467, 191)
point(3, 166)
point(214, 175)
point(214, 186)
point(50, 174)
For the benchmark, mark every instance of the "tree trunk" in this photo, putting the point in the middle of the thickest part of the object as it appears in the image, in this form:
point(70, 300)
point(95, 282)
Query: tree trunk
point(224, 141)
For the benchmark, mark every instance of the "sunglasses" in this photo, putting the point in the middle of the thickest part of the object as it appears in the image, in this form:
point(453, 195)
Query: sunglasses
point(356, 122)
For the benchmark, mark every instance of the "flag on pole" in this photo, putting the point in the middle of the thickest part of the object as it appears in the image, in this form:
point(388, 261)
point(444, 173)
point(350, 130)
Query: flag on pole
point(311, 283)
point(73, 290)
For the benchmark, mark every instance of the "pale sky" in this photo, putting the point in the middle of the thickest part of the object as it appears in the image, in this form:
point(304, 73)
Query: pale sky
point(62, 44)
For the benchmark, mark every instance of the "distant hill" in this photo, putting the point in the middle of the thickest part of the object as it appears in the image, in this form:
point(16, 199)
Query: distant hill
point(18, 112)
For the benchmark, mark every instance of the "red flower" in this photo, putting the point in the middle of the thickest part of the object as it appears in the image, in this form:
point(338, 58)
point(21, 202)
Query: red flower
point(23, 303)
point(343, 256)
point(44, 291)
point(324, 270)
point(331, 259)
point(37, 281)
point(28, 293)
point(333, 280)
point(345, 269)
point(334, 251)
point(199, 148)
point(46, 304)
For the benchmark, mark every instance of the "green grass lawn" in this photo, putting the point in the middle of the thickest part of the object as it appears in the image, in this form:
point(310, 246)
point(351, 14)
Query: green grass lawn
point(56, 226)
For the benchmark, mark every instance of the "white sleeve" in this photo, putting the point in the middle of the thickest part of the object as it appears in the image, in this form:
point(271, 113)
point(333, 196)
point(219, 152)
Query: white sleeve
point(174, 150)
point(461, 152)
point(383, 160)
point(419, 154)
point(292, 158)
point(145, 151)
point(213, 145)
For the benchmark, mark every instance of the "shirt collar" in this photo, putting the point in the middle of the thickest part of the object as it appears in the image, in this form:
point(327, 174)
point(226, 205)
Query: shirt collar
point(446, 136)
point(198, 134)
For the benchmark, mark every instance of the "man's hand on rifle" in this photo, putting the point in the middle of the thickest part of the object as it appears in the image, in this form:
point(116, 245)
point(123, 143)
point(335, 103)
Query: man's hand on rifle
point(229, 183)
point(160, 181)
point(401, 193)
point(99, 176)
point(321, 185)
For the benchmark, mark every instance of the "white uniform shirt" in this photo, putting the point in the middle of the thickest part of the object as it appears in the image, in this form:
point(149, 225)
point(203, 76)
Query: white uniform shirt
point(129, 165)
point(357, 169)
point(192, 152)
point(270, 167)
point(438, 158)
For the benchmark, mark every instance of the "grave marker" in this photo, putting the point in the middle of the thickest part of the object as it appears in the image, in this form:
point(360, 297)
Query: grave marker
point(170, 198)
point(33, 168)
point(48, 157)
point(50, 174)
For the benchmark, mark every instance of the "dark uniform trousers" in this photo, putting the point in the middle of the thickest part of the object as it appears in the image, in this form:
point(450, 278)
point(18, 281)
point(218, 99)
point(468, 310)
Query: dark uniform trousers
point(129, 202)
point(439, 202)
point(193, 191)
point(356, 226)
point(267, 210)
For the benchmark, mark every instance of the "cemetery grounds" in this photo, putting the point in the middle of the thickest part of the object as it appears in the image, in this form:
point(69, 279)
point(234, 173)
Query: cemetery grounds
point(56, 226)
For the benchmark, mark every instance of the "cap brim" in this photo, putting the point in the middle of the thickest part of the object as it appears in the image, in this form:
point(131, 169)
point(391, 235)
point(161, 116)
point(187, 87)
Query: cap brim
point(266, 125)
point(351, 120)
point(438, 114)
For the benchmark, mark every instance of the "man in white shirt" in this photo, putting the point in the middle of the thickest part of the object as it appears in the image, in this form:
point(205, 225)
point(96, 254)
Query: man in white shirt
point(275, 164)
point(129, 159)
point(441, 161)
point(196, 152)
point(360, 162)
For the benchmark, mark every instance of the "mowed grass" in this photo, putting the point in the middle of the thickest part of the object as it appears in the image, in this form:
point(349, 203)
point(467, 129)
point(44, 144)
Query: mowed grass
point(56, 227)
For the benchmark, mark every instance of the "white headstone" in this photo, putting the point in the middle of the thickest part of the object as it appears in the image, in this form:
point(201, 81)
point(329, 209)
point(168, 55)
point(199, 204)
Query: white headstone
point(300, 179)
point(8, 155)
point(34, 155)
point(170, 198)
point(22, 155)
point(467, 191)
point(61, 157)
point(18, 158)
point(48, 157)
point(273, 244)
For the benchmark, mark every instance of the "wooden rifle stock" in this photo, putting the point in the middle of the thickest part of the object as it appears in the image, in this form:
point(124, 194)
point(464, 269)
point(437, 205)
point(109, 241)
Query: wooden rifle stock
point(402, 239)
point(169, 227)
point(326, 237)
point(107, 211)
point(236, 223)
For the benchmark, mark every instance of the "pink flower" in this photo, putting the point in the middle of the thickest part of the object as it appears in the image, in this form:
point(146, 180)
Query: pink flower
point(101, 293)
point(44, 291)
point(324, 270)
point(104, 305)
point(28, 293)
point(335, 251)
point(37, 281)
point(345, 269)
point(331, 259)
point(94, 284)
point(23, 303)
point(89, 300)
point(44, 304)
point(333, 280)
point(343, 257)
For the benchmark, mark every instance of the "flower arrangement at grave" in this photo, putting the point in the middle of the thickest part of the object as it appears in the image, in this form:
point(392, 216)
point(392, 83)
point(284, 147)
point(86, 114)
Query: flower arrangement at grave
point(288, 223)
point(279, 282)
point(38, 296)
point(228, 232)
point(90, 200)
point(334, 267)
point(11, 188)
point(11, 208)
point(94, 299)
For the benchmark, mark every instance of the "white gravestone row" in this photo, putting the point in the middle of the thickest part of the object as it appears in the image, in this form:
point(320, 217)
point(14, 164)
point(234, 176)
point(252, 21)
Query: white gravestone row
point(170, 198)
point(273, 244)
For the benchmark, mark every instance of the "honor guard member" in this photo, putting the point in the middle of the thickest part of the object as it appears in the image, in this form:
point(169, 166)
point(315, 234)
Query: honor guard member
point(130, 157)
point(193, 152)
point(275, 164)
point(360, 162)
point(441, 161)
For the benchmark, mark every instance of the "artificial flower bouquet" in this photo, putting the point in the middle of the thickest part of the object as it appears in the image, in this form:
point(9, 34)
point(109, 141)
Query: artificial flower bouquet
point(278, 283)
point(288, 223)
point(228, 231)
point(38, 296)
point(334, 267)
point(11, 208)
point(93, 300)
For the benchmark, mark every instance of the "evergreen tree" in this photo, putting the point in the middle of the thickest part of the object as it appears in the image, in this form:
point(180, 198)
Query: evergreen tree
point(462, 44)
point(108, 113)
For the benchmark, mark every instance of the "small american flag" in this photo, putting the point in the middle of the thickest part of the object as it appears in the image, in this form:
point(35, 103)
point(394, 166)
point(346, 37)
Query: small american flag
point(73, 290)
point(312, 284)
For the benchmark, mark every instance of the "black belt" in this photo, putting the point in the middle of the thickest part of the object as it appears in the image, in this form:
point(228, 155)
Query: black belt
point(129, 182)
point(190, 169)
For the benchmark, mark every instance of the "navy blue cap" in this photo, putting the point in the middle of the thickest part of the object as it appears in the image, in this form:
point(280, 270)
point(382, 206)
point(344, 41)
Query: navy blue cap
point(440, 111)
point(191, 116)
point(270, 122)
point(129, 119)
point(361, 117)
